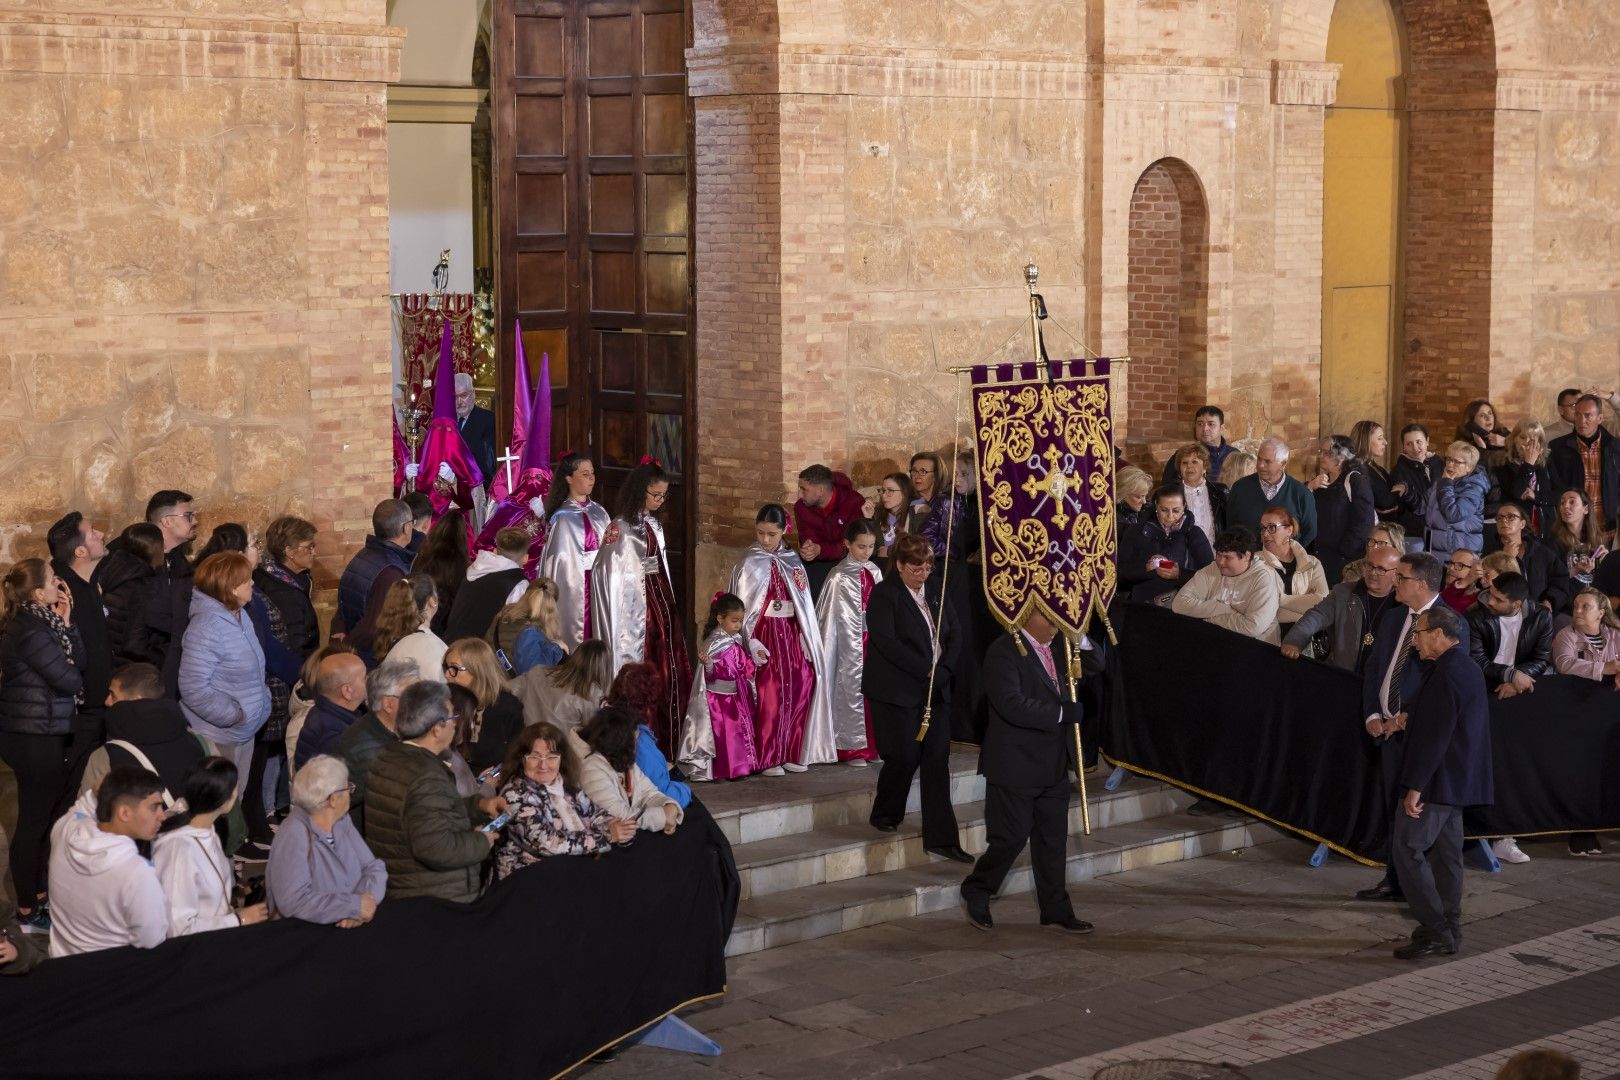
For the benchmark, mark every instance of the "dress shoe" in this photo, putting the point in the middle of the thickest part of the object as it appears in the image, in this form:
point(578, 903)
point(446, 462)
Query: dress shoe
point(954, 852)
point(1069, 925)
point(1425, 944)
point(885, 826)
point(978, 914)
point(1382, 891)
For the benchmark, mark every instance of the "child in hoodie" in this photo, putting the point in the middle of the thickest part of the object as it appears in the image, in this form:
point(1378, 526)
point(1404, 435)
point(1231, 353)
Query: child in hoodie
point(104, 893)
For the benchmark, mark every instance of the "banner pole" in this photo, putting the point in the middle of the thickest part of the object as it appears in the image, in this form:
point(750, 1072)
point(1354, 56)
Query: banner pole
point(1071, 659)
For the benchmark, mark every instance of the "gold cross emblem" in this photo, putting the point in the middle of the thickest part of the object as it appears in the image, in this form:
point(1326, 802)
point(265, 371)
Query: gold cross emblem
point(1055, 485)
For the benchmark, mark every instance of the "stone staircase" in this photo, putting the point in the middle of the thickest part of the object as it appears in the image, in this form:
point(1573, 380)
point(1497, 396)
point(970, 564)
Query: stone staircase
point(811, 866)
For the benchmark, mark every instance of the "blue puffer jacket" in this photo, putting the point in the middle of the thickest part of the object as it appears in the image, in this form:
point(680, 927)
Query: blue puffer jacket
point(1455, 514)
point(222, 690)
point(355, 584)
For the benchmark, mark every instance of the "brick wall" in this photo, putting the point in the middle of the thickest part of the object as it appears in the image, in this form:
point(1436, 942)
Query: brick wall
point(1167, 299)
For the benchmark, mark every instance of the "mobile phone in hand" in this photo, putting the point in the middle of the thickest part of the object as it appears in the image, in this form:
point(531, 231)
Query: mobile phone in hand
point(497, 824)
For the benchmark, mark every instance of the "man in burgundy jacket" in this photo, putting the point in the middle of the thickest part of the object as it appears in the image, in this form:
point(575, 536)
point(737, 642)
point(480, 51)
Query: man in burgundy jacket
point(828, 502)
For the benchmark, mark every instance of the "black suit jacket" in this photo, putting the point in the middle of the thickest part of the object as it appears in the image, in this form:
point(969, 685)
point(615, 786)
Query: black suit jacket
point(1568, 471)
point(900, 649)
point(1448, 736)
point(1533, 656)
point(1027, 743)
point(478, 431)
point(1383, 654)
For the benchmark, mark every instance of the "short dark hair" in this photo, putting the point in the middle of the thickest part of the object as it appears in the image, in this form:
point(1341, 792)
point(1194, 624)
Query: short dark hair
point(144, 541)
point(1513, 586)
point(421, 506)
point(1174, 488)
point(1238, 540)
point(1210, 410)
point(612, 733)
point(287, 531)
point(1540, 1063)
point(512, 542)
point(1513, 504)
point(209, 785)
point(1426, 568)
point(124, 784)
point(164, 501)
point(1596, 401)
point(910, 550)
point(65, 537)
point(1566, 393)
point(816, 474)
point(139, 681)
point(1445, 620)
point(389, 518)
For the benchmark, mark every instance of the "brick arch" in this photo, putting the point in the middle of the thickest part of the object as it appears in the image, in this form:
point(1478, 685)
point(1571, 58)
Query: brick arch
point(1167, 297)
point(1515, 33)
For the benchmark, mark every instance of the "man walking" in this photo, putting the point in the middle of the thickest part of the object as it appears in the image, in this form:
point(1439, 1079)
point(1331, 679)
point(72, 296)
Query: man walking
point(1446, 766)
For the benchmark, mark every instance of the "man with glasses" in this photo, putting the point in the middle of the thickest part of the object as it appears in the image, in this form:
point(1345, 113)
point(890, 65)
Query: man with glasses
point(415, 822)
point(368, 736)
point(1352, 614)
point(168, 606)
point(1445, 766)
point(1394, 675)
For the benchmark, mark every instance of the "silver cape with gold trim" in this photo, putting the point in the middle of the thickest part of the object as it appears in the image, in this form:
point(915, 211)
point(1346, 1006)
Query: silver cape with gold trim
point(565, 561)
point(695, 755)
point(843, 630)
point(751, 581)
point(618, 591)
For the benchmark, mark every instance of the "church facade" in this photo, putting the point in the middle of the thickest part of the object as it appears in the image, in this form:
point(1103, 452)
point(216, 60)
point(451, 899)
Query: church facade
point(1304, 211)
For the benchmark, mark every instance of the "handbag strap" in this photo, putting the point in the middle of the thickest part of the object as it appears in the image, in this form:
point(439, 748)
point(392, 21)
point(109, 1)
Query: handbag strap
point(146, 763)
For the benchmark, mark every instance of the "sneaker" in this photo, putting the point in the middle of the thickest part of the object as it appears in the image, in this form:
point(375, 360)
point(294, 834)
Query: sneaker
point(774, 770)
point(36, 922)
point(251, 851)
point(1506, 849)
point(1583, 844)
point(857, 763)
point(794, 766)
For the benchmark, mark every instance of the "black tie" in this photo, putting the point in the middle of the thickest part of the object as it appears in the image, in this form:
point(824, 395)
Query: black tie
point(1400, 666)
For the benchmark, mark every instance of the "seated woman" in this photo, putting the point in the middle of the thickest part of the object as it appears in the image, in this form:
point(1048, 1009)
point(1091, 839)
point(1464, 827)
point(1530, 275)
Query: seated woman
point(192, 867)
point(1167, 547)
point(1576, 535)
point(1454, 513)
point(1546, 572)
point(551, 814)
point(320, 870)
point(470, 662)
point(570, 693)
point(527, 630)
point(1132, 486)
point(610, 777)
point(1304, 584)
point(1589, 648)
point(636, 688)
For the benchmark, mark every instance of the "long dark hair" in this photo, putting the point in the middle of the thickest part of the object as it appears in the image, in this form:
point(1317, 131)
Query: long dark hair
point(612, 733)
point(559, 483)
point(632, 501)
point(550, 734)
point(144, 541)
point(444, 556)
point(724, 604)
point(228, 536)
point(207, 787)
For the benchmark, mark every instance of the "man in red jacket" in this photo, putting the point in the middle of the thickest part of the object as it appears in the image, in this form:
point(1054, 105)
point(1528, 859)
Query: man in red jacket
point(827, 503)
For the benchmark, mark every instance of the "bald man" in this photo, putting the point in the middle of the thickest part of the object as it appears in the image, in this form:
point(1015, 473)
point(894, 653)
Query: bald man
point(340, 691)
point(477, 426)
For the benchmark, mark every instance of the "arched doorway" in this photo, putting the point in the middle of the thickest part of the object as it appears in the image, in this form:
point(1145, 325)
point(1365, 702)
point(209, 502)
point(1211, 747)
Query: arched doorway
point(1167, 295)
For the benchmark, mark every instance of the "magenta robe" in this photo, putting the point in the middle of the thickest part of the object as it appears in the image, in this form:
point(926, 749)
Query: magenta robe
point(787, 683)
point(732, 715)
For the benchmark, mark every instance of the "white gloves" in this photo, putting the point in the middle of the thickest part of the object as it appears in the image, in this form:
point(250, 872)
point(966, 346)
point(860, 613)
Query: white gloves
point(762, 655)
point(446, 473)
point(412, 470)
point(537, 507)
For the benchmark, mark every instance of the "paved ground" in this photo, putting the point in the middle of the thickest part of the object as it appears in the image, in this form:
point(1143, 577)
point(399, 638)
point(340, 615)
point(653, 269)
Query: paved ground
point(1249, 958)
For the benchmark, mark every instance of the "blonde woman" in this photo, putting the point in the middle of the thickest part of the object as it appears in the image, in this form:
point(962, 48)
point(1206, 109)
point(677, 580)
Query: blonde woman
point(1132, 487)
point(1238, 464)
point(1523, 477)
point(526, 633)
point(470, 662)
point(570, 693)
point(1455, 510)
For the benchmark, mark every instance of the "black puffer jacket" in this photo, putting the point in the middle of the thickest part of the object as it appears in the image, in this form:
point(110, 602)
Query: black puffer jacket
point(124, 578)
point(38, 680)
point(297, 612)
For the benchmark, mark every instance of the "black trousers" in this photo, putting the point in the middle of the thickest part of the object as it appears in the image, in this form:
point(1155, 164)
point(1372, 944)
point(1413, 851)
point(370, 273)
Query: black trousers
point(258, 822)
point(895, 728)
point(40, 763)
point(1012, 818)
point(1427, 854)
point(1390, 752)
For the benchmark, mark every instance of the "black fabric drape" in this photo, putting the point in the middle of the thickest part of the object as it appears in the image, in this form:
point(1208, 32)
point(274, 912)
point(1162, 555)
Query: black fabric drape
point(558, 961)
point(1229, 717)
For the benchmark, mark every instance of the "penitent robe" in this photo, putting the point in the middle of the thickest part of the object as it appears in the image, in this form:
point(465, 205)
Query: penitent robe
point(573, 536)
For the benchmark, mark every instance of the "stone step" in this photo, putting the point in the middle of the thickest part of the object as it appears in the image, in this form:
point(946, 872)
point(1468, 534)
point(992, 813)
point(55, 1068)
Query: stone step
point(855, 849)
point(832, 907)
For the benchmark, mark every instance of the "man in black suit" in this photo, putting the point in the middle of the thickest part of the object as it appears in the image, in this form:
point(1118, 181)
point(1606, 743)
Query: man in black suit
point(1393, 677)
point(901, 616)
point(1445, 766)
point(1027, 750)
point(477, 427)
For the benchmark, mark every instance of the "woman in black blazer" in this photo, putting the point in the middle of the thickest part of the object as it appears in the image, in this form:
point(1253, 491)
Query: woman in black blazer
point(899, 657)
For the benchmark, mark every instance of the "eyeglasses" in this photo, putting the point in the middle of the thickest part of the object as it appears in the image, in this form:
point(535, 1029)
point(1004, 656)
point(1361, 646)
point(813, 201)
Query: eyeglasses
point(658, 496)
point(1274, 526)
point(454, 669)
point(189, 515)
point(1456, 461)
point(346, 789)
point(537, 756)
point(450, 718)
point(1404, 577)
point(1379, 543)
point(307, 545)
point(1424, 630)
point(1379, 569)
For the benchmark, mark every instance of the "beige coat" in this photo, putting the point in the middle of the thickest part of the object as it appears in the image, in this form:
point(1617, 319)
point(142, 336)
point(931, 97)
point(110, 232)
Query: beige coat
point(1246, 604)
point(1309, 587)
point(644, 802)
point(544, 700)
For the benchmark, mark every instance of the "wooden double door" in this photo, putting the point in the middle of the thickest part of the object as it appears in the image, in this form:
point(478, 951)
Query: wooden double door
point(592, 131)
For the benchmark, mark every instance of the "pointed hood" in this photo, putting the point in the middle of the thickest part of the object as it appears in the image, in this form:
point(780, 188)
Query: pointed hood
point(444, 377)
point(537, 445)
point(444, 444)
point(521, 393)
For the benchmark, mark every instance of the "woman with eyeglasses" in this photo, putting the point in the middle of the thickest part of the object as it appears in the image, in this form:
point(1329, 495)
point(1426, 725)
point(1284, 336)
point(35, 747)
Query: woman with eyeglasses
point(320, 870)
point(551, 814)
point(893, 510)
point(1462, 581)
point(1454, 512)
point(1545, 571)
point(1304, 583)
point(1159, 555)
point(497, 716)
point(633, 606)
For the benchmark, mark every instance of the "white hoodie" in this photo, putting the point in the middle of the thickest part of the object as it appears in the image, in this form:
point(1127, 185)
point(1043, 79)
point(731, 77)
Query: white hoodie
point(196, 878)
point(103, 893)
point(488, 562)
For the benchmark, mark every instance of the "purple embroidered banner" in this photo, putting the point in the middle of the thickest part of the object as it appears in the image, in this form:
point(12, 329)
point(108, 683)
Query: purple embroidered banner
point(1046, 489)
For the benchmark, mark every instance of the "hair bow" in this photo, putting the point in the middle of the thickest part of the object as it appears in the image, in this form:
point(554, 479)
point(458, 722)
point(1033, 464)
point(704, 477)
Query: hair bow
point(715, 599)
point(649, 460)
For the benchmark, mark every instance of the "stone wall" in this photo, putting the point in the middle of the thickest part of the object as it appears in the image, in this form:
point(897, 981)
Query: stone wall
point(193, 223)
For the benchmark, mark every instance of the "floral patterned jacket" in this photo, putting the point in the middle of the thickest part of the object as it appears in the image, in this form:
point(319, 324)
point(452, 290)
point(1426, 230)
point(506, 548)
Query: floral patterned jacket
point(536, 831)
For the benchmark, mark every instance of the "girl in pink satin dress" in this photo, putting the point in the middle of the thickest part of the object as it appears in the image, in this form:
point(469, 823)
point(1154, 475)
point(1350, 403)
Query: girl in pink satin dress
point(729, 677)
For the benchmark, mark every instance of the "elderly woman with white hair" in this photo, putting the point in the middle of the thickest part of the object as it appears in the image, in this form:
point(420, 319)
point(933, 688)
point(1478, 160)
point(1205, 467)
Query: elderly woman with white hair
point(320, 869)
point(1272, 488)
